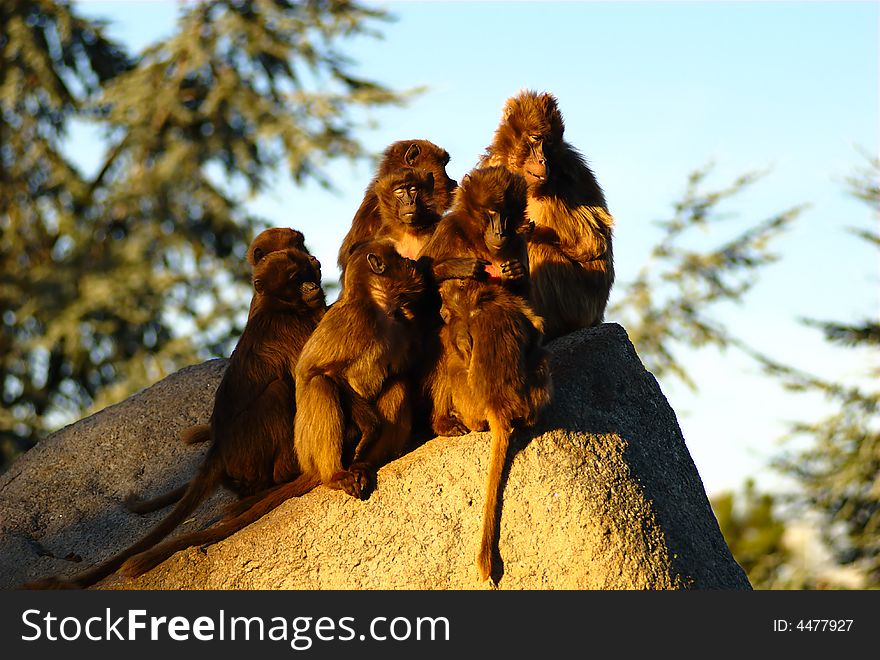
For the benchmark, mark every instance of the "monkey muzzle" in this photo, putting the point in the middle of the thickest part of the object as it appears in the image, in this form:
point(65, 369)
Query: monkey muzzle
point(408, 213)
point(536, 171)
point(310, 291)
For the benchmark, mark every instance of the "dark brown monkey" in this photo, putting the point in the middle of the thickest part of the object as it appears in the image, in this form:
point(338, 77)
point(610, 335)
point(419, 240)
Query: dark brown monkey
point(404, 153)
point(252, 421)
point(493, 371)
point(570, 252)
point(267, 241)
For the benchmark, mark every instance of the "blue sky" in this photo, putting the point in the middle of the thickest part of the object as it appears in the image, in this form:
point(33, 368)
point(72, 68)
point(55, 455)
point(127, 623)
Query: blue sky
point(650, 91)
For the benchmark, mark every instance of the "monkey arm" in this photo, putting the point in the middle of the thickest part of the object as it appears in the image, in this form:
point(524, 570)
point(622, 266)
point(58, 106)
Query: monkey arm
point(455, 268)
point(588, 241)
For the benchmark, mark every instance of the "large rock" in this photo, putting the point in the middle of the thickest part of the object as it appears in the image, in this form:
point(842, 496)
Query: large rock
point(602, 495)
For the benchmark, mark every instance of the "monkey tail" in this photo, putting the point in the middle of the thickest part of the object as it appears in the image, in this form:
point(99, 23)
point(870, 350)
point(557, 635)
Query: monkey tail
point(260, 505)
point(192, 435)
point(203, 483)
point(196, 434)
point(501, 431)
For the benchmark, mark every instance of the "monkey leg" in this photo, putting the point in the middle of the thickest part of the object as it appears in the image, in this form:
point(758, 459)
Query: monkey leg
point(365, 417)
point(395, 418)
point(444, 420)
point(319, 427)
point(501, 430)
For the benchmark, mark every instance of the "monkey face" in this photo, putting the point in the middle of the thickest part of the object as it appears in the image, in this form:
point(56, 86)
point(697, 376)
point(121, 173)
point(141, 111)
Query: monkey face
point(495, 198)
point(424, 155)
point(535, 166)
point(394, 282)
point(498, 230)
point(407, 194)
point(530, 131)
point(290, 276)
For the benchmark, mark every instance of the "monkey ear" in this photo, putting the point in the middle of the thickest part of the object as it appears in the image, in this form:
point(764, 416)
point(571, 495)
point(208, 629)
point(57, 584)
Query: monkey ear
point(257, 255)
point(376, 263)
point(412, 154)
point(258, 285)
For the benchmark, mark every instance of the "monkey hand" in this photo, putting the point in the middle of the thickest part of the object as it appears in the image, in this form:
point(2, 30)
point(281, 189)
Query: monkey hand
point(545, 235)
point(527, 229)
point(512, 270)
point(460, 268)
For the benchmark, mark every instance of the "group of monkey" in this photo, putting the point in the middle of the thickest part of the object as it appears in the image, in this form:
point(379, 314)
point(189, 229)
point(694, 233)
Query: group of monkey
point(448, 294)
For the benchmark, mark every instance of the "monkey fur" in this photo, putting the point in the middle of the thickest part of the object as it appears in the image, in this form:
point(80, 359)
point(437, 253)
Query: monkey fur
point(570, 251)
point(267, 241)
point(354, 369)
point(420, 154)
point(252, 422)
point(493, 370)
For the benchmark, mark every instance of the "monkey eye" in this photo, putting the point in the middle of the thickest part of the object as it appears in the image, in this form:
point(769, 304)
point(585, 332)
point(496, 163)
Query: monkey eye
point(399, 192)
point(413, 190)
point(534, 138)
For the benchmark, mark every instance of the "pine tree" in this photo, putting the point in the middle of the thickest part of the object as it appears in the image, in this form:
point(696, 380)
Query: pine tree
point(839, 470)
point(51, 60)
point(755, 531)
point(671, 301)
point(144, 271)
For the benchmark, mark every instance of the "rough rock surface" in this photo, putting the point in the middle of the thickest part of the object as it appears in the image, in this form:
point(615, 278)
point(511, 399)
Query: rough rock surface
point(602, 495)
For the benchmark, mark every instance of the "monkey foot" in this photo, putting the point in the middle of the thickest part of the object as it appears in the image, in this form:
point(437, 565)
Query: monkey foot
point(357, 480)
point(449, 426)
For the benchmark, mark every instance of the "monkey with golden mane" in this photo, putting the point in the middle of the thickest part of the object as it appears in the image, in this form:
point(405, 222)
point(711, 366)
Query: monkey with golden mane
point(570, 252)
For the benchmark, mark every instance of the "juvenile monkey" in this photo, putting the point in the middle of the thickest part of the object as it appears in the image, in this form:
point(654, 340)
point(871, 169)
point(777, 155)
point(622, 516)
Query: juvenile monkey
point(251, 425)
point(493, 371)
point(420, 154)
point(570, 251)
